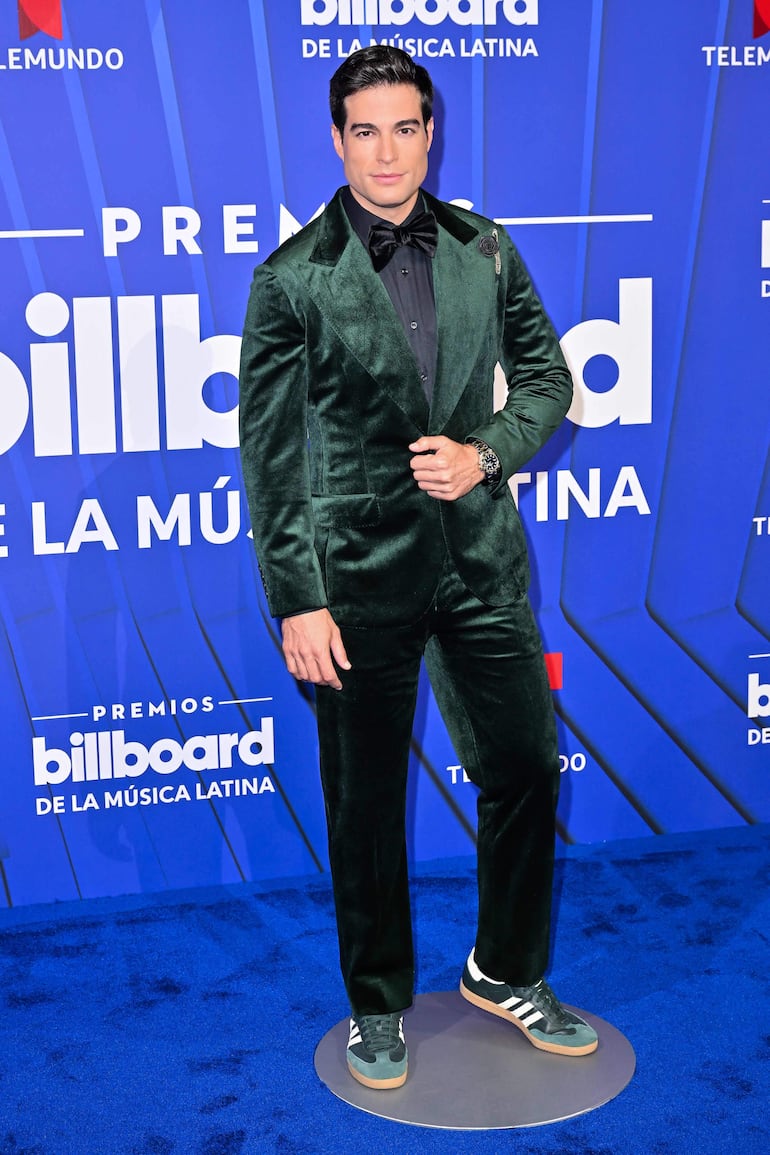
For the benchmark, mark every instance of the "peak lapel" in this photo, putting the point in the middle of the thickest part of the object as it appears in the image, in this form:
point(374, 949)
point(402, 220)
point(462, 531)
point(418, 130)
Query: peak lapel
point(355, 303)
point(466, 297)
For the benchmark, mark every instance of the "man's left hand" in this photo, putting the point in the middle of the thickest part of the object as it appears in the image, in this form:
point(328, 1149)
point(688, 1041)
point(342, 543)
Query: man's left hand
point(445, 469)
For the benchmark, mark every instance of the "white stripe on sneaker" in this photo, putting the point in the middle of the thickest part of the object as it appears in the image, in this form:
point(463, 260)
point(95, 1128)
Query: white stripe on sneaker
point(521, 1010)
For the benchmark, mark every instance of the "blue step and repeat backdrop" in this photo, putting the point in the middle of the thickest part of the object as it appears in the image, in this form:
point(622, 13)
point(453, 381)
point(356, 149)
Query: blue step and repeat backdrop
point(153, 151)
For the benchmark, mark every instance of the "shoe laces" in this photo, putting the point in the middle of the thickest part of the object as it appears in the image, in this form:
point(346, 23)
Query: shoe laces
point(379, 1032)
point(545, 1000)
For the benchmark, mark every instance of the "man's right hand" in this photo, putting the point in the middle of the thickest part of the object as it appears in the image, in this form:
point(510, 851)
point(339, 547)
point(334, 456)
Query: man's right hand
point(312, 644)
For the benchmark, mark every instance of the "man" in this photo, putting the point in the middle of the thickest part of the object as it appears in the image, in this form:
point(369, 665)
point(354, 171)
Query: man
point(376, 476)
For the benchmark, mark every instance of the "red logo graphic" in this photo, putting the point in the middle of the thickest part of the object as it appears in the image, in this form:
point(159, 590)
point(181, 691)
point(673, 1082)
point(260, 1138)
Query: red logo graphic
point(761, 17)
point(554, 664)
point(40, 16)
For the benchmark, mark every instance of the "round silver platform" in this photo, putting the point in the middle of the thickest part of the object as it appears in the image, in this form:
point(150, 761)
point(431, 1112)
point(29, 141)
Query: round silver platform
point(469, 1070)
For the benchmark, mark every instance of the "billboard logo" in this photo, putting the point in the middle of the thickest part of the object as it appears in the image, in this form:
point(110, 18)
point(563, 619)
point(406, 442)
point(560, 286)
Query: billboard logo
point(383, 12)
point(188, 364)
point(40, 16)
point(761, 17)
point(105, 755)
point(115, 347)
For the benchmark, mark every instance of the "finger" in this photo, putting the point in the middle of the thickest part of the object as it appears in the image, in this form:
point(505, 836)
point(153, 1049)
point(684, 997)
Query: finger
point(338, 652)
point(291, 661)
point(446, 491)
point(299, 670)
point(322, 671)
point(427, 444)
point(328, 676)
point(316, 673)
point(305, 668)
point(428, 466)
point(425, 460)
point(438, 480)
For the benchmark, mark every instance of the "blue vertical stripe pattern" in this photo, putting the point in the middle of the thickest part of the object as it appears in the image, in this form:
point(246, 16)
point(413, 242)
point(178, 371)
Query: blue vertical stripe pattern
point(655, 613)
point(589, 147)
point(267, 103)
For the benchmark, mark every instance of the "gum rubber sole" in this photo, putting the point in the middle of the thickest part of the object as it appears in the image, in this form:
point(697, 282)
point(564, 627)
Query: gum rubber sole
point(502, 1013)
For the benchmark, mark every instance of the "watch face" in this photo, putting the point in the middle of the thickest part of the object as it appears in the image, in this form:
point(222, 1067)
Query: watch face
point(489, 462)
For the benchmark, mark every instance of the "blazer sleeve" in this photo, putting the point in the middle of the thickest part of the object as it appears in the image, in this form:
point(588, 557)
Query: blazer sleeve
point(539, 381)
point(273, 387)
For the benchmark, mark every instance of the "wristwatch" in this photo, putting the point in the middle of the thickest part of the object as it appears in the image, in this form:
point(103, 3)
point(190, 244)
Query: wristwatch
point(489, 462)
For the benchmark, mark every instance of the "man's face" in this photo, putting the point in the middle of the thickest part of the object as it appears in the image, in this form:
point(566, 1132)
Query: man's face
point(384, 149)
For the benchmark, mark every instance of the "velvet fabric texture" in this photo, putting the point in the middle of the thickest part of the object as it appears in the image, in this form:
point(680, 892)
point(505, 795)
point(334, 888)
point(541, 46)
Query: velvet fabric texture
point(488, 673)
point(331, 399)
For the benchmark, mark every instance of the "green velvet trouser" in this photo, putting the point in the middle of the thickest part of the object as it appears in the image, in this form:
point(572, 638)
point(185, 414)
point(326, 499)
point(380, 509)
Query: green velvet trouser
point(488, 675)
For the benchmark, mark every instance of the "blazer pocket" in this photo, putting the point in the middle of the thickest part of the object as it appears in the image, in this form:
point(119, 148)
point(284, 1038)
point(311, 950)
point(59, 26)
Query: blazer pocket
point(346, 510)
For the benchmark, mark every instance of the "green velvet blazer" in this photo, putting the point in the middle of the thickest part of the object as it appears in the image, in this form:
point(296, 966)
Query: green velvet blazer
point(331, 399)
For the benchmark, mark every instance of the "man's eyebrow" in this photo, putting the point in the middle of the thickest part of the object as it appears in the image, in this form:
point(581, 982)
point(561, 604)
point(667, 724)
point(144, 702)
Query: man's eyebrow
point(373, 127)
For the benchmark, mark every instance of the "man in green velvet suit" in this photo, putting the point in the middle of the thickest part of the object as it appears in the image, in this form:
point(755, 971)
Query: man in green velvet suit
point(376, 473)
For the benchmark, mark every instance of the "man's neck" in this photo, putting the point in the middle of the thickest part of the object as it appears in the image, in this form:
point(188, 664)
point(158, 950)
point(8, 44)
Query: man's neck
point(362, 218)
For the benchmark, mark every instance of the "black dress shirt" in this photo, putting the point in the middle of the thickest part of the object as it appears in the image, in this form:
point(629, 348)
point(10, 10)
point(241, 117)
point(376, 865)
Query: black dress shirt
point(408, 278)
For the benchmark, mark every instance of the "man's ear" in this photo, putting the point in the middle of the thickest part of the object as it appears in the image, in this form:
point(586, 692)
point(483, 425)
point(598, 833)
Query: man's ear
point(429, 127)
point(337, 141)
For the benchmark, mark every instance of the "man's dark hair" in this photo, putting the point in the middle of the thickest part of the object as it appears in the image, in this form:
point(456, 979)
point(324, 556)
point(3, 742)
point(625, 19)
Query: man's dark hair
point(372, 67)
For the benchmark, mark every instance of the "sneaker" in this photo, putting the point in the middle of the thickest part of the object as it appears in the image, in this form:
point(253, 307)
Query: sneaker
point(534, 1010)
point(377, 1051)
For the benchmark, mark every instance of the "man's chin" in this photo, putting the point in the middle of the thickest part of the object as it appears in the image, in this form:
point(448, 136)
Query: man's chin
point(392, 200)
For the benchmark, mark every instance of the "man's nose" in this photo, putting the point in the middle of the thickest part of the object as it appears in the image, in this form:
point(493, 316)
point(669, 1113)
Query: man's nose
point(388, 150)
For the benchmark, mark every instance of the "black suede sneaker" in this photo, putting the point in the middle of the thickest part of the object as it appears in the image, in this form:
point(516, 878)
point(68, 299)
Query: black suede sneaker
point(534, 1010)
point(376, 1052)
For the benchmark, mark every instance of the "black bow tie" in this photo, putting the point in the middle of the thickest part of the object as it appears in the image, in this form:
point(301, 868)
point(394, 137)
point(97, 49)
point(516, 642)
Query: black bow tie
point(421, 232)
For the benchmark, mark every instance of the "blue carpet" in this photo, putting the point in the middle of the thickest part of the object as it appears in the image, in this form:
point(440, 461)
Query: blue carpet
point(187, 1022)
